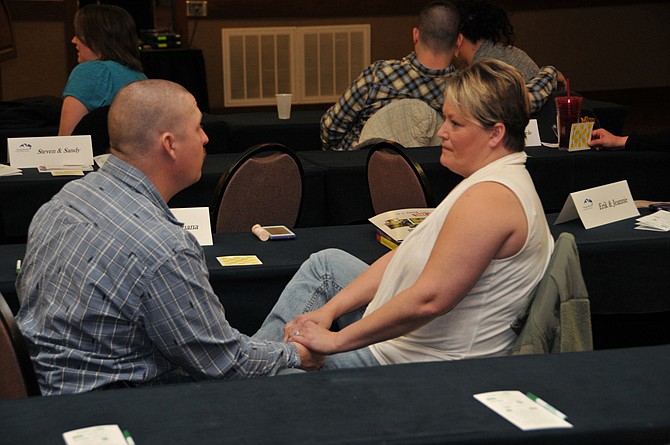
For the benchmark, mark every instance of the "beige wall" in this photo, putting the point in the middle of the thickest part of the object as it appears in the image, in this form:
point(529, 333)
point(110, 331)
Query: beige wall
point(40, 67)
point(602, 48)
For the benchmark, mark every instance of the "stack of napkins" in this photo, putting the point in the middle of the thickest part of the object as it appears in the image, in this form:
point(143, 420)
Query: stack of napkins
point(6, 170)
point(658, 221)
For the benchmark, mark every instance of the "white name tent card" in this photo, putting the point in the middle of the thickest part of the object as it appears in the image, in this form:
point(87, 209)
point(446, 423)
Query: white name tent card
point(196, 221)
point(598, 206)
point(533, 134)
point(50, 150)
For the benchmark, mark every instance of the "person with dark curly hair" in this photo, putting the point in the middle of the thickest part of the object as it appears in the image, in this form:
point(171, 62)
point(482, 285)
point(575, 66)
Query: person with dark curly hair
point(489, 34)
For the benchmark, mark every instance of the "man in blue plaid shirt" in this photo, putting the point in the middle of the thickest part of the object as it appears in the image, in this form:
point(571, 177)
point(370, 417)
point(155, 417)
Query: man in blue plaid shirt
point(420, 75)
point(114, 292)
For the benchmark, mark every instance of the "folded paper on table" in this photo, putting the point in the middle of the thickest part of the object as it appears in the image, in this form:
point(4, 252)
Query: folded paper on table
point(196, 220)
point(50, 150)
point(658, 221)
point(598, 206)
point(6, 170)
point(95, 435)
point(521, 411)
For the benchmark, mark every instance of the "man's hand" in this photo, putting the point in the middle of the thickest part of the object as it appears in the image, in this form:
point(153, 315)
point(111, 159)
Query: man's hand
point(308, 360)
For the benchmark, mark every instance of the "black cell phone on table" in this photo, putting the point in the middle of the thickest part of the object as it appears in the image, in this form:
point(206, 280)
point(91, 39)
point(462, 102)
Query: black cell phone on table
point(660, 206)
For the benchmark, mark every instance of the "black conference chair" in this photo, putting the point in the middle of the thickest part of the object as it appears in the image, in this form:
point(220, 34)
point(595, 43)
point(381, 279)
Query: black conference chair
point(264, 186)
point(95, 124)
point(394, 180)
point(17, 375)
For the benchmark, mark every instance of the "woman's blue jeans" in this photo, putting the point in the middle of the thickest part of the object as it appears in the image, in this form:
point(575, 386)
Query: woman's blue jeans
point(318, 280)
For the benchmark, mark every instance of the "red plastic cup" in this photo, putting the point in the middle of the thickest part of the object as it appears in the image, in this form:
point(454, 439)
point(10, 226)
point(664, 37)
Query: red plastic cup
point(568, 112)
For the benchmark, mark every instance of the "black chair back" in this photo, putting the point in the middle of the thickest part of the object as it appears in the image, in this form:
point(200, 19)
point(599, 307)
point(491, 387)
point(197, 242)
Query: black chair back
point(264, 186)
point(394, 180)
point(95, 124)
point(17, 375)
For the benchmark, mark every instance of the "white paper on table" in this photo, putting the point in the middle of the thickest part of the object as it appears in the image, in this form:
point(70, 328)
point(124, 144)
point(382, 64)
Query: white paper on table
point(521, 411)
point(658, 221)
point(95, 435)
point(6, 170)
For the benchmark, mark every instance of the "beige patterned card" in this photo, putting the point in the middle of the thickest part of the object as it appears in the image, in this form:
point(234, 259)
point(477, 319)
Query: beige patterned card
point(239, 260)
point(580, 135)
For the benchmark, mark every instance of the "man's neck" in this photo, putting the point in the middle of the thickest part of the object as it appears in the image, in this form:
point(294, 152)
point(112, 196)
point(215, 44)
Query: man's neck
point(432, 60)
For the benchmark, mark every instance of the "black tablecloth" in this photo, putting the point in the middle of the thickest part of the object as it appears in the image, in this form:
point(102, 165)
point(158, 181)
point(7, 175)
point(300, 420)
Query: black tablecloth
point(336, 190)
point(556, 174)
point(623, 268)
point(616, 396)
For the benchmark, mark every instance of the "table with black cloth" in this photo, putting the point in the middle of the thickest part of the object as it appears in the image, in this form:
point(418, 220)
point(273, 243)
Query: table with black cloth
point(625, 271)
point(300, 132)
point(616, 396)
point(336, 190)
point(556, 174)
point(23, 195)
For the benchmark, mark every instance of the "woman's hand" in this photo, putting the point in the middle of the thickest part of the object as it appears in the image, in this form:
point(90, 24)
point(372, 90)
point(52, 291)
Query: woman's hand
point(320, 317)
point(316, 338)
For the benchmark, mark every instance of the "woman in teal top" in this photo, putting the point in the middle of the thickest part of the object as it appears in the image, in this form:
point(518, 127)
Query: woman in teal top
point(108, 57)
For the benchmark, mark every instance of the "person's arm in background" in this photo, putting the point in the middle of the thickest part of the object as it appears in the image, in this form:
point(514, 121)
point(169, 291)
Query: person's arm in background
point(338, 123)
point(541, 86)
point(603, 139)
point(71, 113)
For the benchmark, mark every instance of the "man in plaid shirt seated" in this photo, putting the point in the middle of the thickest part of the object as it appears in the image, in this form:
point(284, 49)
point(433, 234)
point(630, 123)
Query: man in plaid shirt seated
point(419, 75)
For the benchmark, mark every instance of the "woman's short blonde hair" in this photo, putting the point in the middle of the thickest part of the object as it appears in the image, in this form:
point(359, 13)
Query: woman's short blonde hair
point(490, 92)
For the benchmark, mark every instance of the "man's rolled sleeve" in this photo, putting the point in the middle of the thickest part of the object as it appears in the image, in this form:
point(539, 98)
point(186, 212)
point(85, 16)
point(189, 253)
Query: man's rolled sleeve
point(186, 322)
point(541, 86)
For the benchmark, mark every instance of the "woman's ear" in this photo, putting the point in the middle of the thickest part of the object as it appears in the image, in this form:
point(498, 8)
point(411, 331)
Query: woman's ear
point(498, 132)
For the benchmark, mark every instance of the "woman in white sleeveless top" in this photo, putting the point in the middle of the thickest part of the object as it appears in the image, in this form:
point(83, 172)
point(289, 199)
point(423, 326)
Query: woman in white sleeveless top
point(452, 288)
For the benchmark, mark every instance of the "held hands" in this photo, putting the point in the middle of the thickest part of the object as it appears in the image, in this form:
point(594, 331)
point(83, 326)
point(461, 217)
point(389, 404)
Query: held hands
point(312, 331)
point(309, 361)
point(603, 139)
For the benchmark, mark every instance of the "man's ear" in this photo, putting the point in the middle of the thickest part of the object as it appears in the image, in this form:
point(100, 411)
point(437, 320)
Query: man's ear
point(167, 144)
point(415, 35)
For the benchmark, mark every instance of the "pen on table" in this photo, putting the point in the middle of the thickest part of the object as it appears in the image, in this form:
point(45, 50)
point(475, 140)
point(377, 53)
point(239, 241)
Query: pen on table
point(129, 438)
point(18, 266)
point(545, 405)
